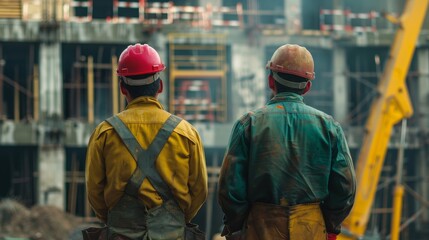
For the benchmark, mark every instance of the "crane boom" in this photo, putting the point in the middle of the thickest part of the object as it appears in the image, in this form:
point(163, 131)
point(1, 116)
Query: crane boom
point(391, 105)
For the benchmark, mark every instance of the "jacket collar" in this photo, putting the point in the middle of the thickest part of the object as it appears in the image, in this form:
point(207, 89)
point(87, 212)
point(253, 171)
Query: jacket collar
point(287, 97)
point(146, 101)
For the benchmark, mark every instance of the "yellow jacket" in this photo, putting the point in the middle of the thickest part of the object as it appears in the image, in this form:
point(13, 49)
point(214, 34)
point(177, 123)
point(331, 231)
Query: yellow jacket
point(181, 163)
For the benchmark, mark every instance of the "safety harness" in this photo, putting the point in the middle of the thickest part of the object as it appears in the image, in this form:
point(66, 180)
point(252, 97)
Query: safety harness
point(129, 217)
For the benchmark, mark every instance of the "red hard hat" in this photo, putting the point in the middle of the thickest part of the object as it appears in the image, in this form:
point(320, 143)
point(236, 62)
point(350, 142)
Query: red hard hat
point(139, 59)
point(292, 59)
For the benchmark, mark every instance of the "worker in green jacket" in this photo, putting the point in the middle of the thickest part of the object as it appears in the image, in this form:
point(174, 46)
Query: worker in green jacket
point(145, 173)
point(287, 171)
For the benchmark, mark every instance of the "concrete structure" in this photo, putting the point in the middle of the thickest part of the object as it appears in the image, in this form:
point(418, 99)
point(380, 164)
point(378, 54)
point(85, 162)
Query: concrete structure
point(45, 71)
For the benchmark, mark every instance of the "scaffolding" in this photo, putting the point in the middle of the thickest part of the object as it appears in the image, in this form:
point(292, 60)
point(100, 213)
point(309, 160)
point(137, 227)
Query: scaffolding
point(81, 6)
point(363, 80)
point(87, 79)
point(10, 9)
point(22, 88)
point(348, 21)
point(197, 81)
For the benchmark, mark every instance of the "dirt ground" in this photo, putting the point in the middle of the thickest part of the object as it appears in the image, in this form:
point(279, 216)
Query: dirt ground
point(39, 222)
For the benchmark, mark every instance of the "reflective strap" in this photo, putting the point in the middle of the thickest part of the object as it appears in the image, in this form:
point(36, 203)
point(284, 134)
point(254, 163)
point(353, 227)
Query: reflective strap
point(134, 183)
point(145, 158)
point(148, 167)
point(140, 82)
point(296, 85)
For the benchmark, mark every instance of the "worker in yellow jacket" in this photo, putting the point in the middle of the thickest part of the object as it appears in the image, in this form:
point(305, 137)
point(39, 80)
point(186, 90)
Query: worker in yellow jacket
point(145, 170)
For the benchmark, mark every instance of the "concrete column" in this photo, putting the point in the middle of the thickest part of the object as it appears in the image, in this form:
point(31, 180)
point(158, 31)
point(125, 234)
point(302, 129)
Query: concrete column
point(51, 189)
point(293, 16)
point(338, 19)
point(51, 84)
point(51, 159)
point(422, 110)
point(340, 85)
point(158, 40)
point(248, 79)
point(214, 4)
point(394, 6)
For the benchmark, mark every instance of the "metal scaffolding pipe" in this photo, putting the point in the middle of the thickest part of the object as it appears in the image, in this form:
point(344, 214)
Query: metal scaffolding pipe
point(1, 81)
point(90, 89)
point(114, 86)
point(16, 102)
point(36, 93)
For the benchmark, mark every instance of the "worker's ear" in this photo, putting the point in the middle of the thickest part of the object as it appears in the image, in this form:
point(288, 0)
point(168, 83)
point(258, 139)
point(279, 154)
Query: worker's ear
point(271, 82)
point(124, 91)
point(161, 86)
point(307, 87)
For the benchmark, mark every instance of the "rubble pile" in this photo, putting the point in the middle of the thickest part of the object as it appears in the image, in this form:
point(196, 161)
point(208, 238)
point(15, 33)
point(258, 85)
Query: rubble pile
point(39, 222)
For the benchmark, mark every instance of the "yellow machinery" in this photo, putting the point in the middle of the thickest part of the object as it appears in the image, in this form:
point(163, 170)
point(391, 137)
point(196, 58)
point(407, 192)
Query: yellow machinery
point(391, 106)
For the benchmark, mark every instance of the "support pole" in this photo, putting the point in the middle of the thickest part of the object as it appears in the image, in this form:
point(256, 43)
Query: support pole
point(16, 101)
point(114, 86)
point(36, 93)
point(90, 89)
point(28, 97)
point(2, 62)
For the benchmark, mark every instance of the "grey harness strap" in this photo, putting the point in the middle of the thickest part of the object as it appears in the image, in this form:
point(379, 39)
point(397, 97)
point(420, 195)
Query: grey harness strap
point(146, 158)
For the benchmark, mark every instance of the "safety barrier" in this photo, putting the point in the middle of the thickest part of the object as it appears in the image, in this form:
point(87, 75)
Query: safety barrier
point(81, 5)
point(137, 7)
point(194, 101)
point(345, 20)
point(164, 13)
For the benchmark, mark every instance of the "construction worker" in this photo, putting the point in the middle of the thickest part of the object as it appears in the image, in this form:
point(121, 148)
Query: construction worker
point(287, 172)
point(146, 174)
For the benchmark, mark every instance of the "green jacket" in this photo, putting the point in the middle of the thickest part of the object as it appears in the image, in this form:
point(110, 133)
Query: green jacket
point(287, 153)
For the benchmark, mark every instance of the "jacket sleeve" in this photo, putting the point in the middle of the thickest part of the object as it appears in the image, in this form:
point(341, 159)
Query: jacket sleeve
point(198, 185)
point(95, 177)
point(342, 184)
point(232, 192)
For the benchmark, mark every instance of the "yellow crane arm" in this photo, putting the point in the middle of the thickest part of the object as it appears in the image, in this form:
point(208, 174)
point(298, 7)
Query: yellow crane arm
point(390, 106)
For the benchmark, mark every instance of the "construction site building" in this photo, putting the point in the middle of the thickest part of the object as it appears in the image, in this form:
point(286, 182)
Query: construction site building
point(58, 81)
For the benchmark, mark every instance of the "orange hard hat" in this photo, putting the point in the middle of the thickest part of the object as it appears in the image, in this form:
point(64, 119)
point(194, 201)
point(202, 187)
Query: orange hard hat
point(292, 59)
point(139, 59)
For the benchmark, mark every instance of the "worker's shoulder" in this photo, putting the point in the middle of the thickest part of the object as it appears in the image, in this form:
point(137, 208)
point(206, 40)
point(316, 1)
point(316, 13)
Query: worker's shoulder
point(254, 113)
point(327, 118)
point(186, 129)
point(291, 108)
point(102, 127)
point(314, 111)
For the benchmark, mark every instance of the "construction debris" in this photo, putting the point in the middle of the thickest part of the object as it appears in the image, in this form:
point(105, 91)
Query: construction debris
point(39, 222)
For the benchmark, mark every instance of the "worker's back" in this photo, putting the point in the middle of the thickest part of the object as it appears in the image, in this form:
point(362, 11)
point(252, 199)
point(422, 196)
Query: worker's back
point(287, 172)
point(298, 140)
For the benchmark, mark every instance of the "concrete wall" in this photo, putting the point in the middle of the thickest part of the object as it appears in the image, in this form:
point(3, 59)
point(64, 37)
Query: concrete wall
point(249, 80)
